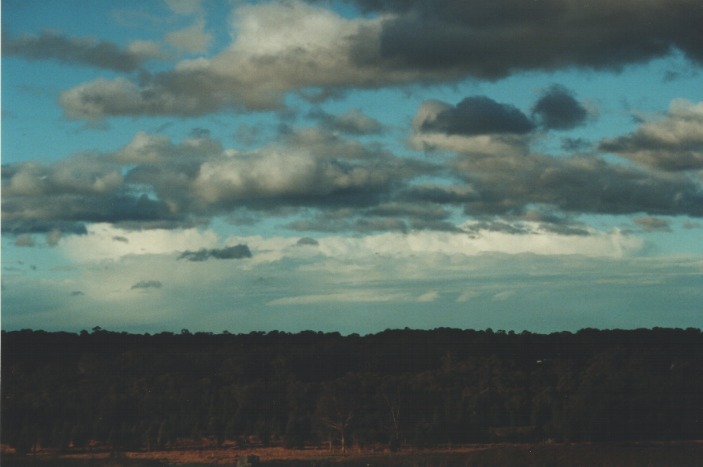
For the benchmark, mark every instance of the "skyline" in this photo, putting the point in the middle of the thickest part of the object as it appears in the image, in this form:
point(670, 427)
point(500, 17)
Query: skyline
point(351, 165)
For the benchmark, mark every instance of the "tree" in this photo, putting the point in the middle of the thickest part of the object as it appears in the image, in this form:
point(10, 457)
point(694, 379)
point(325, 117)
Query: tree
point(337, 407)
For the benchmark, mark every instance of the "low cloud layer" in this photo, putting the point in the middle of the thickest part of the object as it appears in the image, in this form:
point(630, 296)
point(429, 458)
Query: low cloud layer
point(320, 180)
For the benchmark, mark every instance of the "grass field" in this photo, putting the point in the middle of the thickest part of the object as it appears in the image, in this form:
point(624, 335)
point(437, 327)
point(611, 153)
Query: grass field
point(606, 454)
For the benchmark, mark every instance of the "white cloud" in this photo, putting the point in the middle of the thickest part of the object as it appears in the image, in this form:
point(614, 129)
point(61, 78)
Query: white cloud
point(674, 142)
point(359, 296)
point(193, 39)
point(430, 296)
point(101, 242)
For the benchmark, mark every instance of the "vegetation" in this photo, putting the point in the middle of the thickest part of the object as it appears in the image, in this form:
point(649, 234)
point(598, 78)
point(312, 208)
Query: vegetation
point(393, 390)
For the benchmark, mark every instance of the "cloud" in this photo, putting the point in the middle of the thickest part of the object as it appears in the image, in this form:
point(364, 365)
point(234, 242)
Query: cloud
point(184, 7)
point(292, 46)
point(279, 47)
point(653, 224)
point(153, 182)
point(354, 122)
point(147, 285)
point(673, 143)
point(307, 241)
point(192, 39)
point(557, 109)
point(79, 51)
point(493, 40)
point(99, 242)
point(24, 240)
point(233, 252)
point(427, 297)
point(577, 184)
point(477, 115)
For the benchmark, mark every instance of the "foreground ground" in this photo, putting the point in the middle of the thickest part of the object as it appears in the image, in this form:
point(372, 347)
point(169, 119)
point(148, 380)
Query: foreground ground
point(602, 454)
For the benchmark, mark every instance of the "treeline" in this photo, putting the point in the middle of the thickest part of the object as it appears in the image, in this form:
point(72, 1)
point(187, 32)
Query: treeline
point(396, 388)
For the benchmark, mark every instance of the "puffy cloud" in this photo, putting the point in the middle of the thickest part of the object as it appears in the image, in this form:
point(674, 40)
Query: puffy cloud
point(477, 115)
point(494, 39)
point(192, 39)
point(557, 109)
point(674, 142)
point(282, 47)
point(477, 124)
point(279, 47)
point(79, 51)
point(153, 182)
point(579, 184)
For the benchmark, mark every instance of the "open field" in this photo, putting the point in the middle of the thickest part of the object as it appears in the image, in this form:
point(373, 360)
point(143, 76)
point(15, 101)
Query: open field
point(600, 454)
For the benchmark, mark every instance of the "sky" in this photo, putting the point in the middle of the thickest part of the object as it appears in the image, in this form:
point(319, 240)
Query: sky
point(351, 165)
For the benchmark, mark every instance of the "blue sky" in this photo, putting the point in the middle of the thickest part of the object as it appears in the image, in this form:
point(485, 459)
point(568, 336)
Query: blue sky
point(351, 165)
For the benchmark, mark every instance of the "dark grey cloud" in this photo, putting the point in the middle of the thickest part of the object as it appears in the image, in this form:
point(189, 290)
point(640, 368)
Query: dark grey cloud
point(232, 252)
point(147, 285)
point(77, 51)
point(557, 109)
point(494, 39)
point(580, 184)
point(419, 42)
point(479, 115)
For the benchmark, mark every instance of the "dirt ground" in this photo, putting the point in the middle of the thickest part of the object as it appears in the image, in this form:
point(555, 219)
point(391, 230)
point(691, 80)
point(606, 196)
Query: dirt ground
point(605, 454)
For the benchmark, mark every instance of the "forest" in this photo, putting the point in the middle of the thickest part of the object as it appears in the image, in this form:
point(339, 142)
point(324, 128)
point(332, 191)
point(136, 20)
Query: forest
point(395, 389)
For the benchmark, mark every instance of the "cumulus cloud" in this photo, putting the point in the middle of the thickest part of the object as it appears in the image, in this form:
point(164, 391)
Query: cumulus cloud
point(233, 252)
point(578, 184)
point(79, 51)
point(557, 109)
point(673, 142)
point(192, 39)
point(478, 115)
point(494, 39)
point(279, 47)
point(282, 47)
point(154, 182)
point(477, 124)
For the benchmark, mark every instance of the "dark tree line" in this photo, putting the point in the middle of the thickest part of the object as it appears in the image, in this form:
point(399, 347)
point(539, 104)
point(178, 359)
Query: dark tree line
point(396, 388)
